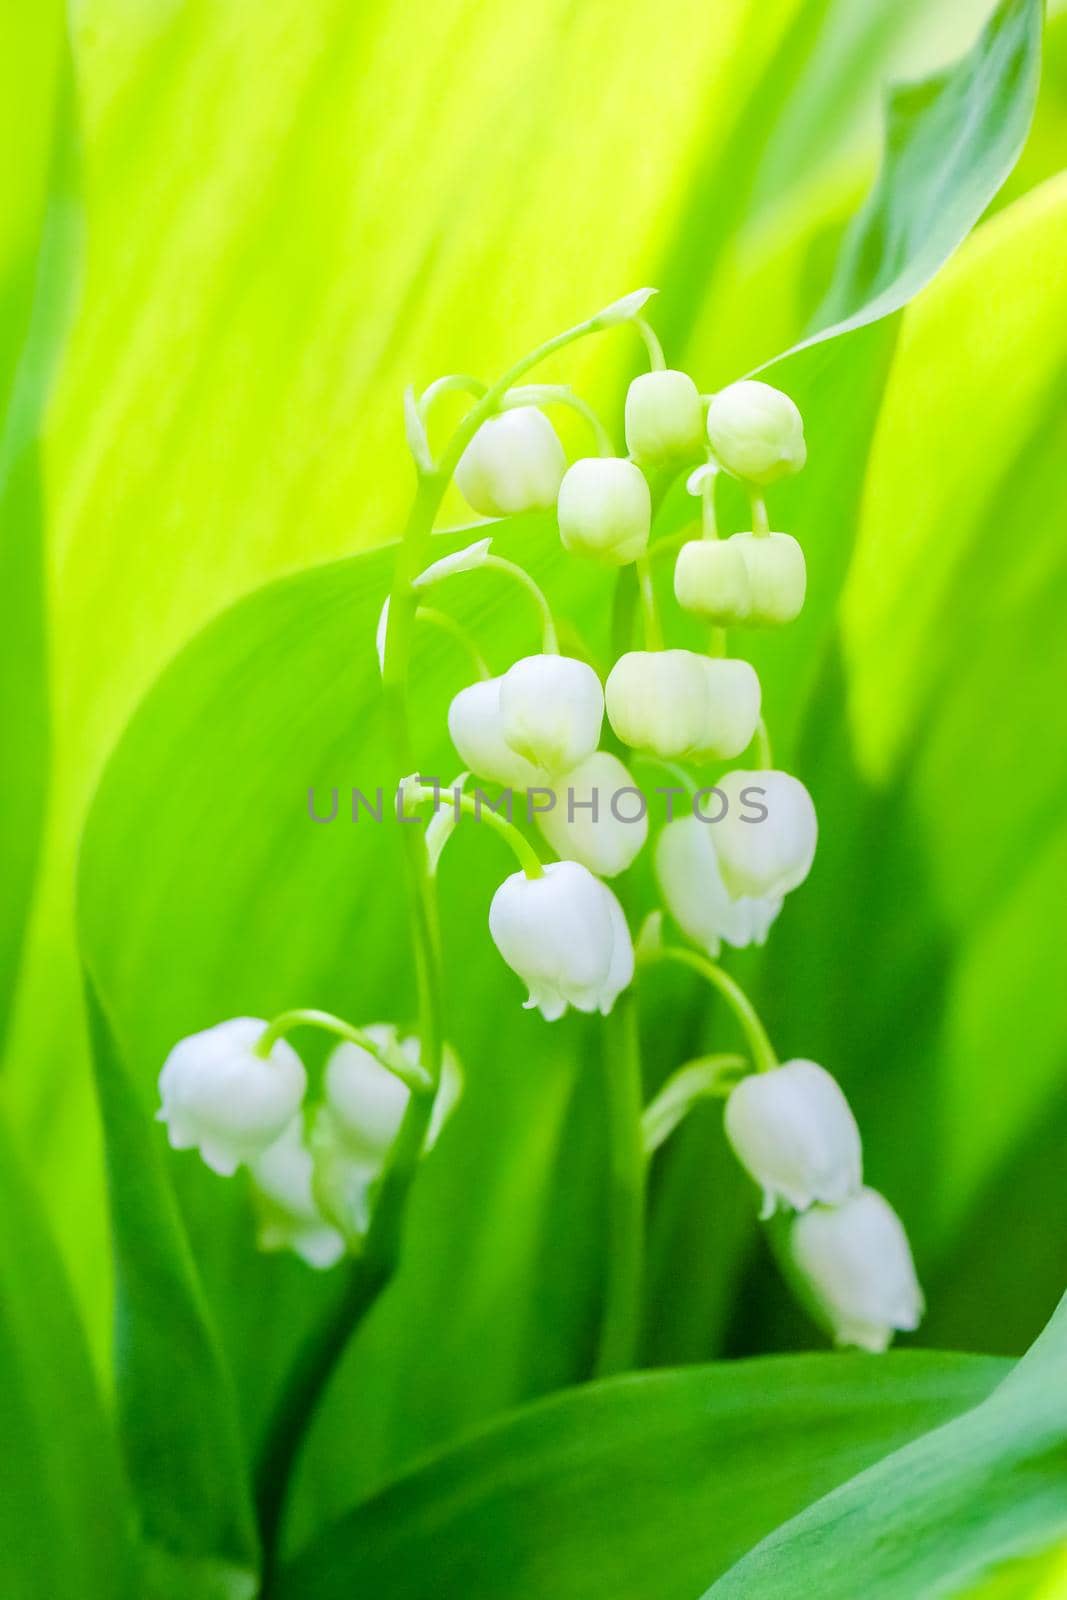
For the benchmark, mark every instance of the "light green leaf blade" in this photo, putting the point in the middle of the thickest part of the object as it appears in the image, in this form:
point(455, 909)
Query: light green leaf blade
point(941, 1513)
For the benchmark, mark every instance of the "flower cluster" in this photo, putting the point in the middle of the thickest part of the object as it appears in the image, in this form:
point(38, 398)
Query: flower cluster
point(569, 726)
point(237, 1092)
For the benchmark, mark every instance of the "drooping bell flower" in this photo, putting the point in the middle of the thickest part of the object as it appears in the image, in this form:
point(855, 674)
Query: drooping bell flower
point(565, 935)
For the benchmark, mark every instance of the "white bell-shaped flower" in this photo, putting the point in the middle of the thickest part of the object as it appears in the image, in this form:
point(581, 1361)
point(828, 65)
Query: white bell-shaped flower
point(552, 709)
point(515, 462)
point(289, 1216)
point(793, 1131)
point(679, 705)
point(605, 510)
point(766, 840)
point(855, 1262)
point(367, 1102)
point(476, 724)
point(565, 935)
point(756, 432)
point(755, 580)
point(664, 418)
point(220, 1097)
point(690, 879)
point(600, 817)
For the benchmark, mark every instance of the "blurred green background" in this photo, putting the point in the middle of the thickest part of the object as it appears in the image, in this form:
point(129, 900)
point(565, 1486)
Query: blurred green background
point(234, 234)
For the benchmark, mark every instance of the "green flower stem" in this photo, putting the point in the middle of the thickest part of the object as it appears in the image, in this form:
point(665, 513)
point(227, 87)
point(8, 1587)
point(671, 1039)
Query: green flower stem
point(709, 1077)
point(470, 806)
point(709, 522)
point(760, 521)
point(394, 1061)
point(621, 1327)
point(464, 382)
point(543, 394)
point(307, 1382)
point(763, 751)
point(649, 609)
point(511, 569)
point(717, 644)
point(756, 1034)
point(657, 361)
point(456, 630)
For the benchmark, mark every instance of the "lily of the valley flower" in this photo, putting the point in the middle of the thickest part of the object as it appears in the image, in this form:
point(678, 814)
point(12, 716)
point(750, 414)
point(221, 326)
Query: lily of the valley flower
point(750, 579)
point(756, 432)
point(793, 1131)
point(682, 706)
point(664, 418)
point(765, 841)
point(222, 1098)
point(565, 935)
point(690, 879)
point(605, 510)
point(551, 708)
point(856, 1264)
point(356, 1125)
point(515, 462)
point(289, 1216)
point(476, 724)
point(599, 817)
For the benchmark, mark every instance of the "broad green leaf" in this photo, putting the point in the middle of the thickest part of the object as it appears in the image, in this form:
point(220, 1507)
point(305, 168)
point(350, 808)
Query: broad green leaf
point(951, 140)
point(65, 1516)
point(636, 1488)
point(176, 1406)
point(941, 1513)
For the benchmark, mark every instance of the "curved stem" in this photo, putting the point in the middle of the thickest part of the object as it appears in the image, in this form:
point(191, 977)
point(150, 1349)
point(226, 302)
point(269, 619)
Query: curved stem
point(394, 1061)
point(710, 1077)
point(549, 637)
point(657, 361)
point(469, 805)
point(758, 1042)
point(456, 630)
point(463, 381)
point(562, 394)
point(621, 1328)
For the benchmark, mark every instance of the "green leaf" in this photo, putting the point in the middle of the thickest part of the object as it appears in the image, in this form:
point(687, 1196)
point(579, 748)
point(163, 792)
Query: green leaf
point(951, 141)
point(65, 1517)
point(39, 250)
point(176, 1407)
point(636, 1488)
point(940, 1513)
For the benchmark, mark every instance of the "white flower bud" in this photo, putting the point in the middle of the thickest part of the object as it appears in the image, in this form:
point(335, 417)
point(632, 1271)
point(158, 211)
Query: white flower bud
point(515, 462)
point(367, 1102)
point(754, 579)
point(855, 1261)
point(218, 1096)
point(605, 510)
point(289, 1217)
point(476, 724)
point(680, 705)
point(793, 1131)
point(565, 935)
point(552, 708)
point(690, 880)
point(756, 432)
point(766, 839)
point(664, 418)
point(711, 580)
point(600, 817)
